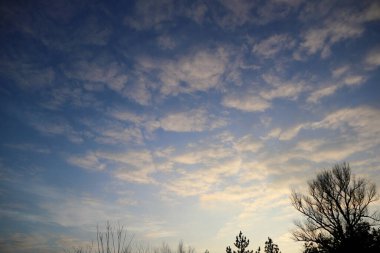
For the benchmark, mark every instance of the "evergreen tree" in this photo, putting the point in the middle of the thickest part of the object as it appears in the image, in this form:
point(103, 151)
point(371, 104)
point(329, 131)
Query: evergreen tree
point(270, 247)
point(241, 243)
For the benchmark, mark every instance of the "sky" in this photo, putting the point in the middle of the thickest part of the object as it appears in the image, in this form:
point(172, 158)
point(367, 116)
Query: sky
point(181, 120)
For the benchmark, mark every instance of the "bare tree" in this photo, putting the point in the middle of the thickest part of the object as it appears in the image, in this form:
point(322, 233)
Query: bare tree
point(113, 240)
point(336, 209)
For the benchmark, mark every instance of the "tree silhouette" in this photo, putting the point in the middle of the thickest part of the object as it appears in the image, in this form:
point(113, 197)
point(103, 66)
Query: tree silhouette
point(241, 243)
point(270, 247)
point(336, 212)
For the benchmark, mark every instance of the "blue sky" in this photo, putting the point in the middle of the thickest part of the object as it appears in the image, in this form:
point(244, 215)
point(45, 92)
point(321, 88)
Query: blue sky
point(183, 120)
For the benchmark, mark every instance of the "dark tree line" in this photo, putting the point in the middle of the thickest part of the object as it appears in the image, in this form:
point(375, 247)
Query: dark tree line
point(241, 243)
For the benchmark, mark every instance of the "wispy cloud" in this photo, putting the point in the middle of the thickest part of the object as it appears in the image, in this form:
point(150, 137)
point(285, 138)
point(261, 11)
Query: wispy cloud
point(114, 134)
point(199, 71)
point(246, 103)
point(195, 183)
point(259, 98)
point(89, 161)
point(340, 25)
point(317, 95)
point(103, 71)
point(29, 147)
point(341, 77)
point(236, 13)
point(111, 74)
point(364, 121)
point(203, 156)
point(27, 72)
point(372, 59)
point(286, 90)
point(136, 166)
point(191, 121)
point(149, 14)
point(21, 242)
point(273, 45)
point(361, 120)
point(53, 126)
point(125, 114)
point(166, 42)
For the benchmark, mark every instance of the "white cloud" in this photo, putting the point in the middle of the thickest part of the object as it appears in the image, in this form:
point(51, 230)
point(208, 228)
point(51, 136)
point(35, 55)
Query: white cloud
point(149, 14)
point(354, 80)
point(54, 126)
point(248, 144)
point(110, 131)
point(126, 115)
point(309, 145)
point(113, 75)
point(26, 75)
point(337, 72)
point(286, 90)
point(132, 166)
point(236, 194)
point(202, 156)
point(137, 163)
point(197, 11)
point(81, 211)
point(196, 120)
point(291, 132)
point(71, 95)
point(89, 161)
point(372, 59)
point(248, 103)
point(362, 123)
point(321, 39)
point(200, 71)
point(166, 42)
point(280, 88)
point(202, 180)
point(238, 13)
point(92, 31)
point(21, 242)
point(274, 133)
point(272, 45)
point(318, 94)
point(102, 71)
point(343, 77)
point(119, 134)
point(30, 147)
point(341, 25)
point(241, 12)
point(285, 135)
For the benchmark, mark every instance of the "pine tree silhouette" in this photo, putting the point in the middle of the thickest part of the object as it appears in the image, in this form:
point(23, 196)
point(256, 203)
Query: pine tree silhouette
point(241, 243)
point(270, 247)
